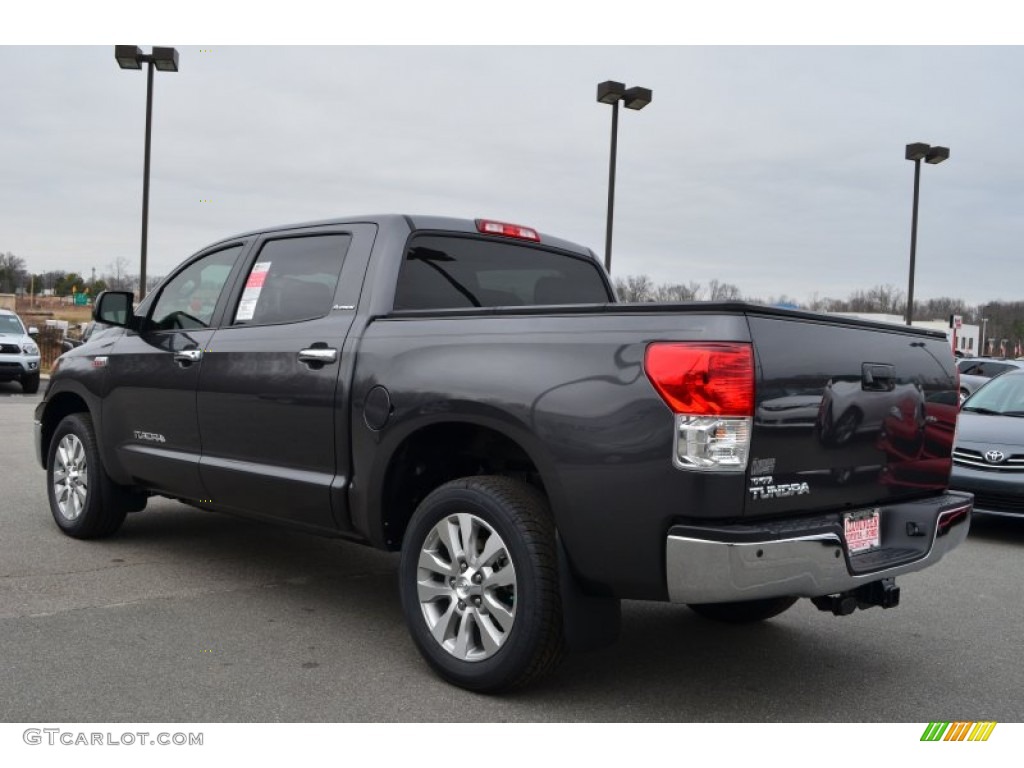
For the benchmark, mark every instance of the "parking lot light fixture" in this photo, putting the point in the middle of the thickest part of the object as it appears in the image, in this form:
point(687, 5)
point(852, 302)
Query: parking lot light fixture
point(128, 56)
point(636, 98)
point(166, 60)
point(917, 152)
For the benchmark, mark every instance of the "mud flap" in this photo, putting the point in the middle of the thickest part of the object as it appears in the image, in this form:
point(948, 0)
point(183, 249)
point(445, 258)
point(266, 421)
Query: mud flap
point(590, 622)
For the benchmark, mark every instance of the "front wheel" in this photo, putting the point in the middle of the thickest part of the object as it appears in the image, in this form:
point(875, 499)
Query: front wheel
point(479, 583)
point(745, 612)
point(84, 501)
point(30, 383)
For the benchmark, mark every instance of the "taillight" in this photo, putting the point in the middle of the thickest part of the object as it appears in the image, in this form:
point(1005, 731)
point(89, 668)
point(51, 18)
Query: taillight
point(710, 388)
point(489, 227)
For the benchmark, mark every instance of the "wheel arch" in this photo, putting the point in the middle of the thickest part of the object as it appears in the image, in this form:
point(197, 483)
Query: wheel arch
point(58, 407)
point(432, 454)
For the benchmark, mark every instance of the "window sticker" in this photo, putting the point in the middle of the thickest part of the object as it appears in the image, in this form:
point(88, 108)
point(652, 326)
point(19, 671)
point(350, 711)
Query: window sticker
point(251, 294)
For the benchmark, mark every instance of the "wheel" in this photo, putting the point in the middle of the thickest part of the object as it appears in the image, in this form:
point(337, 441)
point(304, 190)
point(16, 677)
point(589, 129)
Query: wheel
point(842, 429)
point(745, 612)
point(479, 583)
point(84, 501)
point(30, 383)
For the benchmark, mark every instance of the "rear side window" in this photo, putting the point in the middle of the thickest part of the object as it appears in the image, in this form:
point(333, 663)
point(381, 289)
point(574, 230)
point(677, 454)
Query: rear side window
point(293, 279)
point(444, 272)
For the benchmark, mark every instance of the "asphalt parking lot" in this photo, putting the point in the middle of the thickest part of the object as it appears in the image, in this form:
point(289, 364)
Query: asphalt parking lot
point(190, 616)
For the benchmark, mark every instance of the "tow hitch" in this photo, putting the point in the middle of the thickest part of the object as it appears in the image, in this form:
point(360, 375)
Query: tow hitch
point(884, 593)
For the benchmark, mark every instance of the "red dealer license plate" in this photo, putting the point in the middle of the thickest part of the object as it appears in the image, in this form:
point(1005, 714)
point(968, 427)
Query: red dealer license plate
point(862, 531)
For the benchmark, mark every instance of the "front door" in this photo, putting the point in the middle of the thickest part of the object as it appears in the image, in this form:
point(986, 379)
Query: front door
point(149, 412)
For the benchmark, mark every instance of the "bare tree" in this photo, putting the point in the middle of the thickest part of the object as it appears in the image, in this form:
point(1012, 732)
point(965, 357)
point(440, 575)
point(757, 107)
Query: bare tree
point(717, 291)
point(634, 288)
point(672, 292)
point(12, 273)
point(117, 276)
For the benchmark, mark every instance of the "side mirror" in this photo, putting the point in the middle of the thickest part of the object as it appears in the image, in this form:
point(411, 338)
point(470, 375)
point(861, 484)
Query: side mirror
point(33, 331)
point(114, 308)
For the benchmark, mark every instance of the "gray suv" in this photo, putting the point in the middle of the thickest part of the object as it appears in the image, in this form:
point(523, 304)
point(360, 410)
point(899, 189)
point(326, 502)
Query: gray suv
point(19, 355)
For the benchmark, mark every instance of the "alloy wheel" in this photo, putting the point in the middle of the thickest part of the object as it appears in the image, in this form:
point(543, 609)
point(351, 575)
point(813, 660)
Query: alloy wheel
point(70, 477)
point(466, 586)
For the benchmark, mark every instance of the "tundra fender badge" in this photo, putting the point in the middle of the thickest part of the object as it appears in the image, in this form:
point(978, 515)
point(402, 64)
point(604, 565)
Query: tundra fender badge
point(765, 488)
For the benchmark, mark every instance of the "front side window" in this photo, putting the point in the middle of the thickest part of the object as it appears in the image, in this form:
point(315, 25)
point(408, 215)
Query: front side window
point(444, 272)
point(293, 279)
point(189, 298)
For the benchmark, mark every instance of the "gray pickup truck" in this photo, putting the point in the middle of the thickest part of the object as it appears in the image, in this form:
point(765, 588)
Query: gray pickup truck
point(471, 393)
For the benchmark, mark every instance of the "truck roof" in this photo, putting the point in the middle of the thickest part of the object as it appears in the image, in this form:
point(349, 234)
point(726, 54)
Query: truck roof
point(414, 222)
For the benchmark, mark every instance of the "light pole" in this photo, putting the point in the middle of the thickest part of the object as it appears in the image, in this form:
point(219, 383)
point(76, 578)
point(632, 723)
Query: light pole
point(166, 60)
point(984, 327)
point(611, 92)
point(933, 156)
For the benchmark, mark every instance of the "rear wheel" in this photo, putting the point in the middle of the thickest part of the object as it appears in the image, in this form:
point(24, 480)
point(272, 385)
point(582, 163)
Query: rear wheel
point(479, 583)
point(85, 502)
point(745, 612)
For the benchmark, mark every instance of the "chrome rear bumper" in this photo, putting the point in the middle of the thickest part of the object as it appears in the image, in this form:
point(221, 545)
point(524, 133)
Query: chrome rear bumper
point(710, 568)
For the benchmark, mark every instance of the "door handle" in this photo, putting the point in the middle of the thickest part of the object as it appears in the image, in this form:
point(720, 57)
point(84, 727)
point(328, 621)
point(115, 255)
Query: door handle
point(318, 356)
point(185, 357)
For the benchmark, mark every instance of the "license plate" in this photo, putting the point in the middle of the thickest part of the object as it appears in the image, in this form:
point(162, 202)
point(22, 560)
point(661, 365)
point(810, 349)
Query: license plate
point(862, 531)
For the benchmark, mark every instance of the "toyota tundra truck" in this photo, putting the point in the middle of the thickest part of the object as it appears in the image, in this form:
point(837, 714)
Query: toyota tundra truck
point(471, 393)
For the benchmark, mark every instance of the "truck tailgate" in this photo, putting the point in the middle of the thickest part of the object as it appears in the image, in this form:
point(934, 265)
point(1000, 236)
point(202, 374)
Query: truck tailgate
point(847, 416)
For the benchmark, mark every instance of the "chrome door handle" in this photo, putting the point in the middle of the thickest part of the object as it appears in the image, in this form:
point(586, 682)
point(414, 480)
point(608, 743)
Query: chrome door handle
point(186, 357)
point(319, 355)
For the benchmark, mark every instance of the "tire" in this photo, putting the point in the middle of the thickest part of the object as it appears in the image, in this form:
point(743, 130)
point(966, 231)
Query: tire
point(495, 622)
point(746, 612)
point(30, 384)
point(84, 509)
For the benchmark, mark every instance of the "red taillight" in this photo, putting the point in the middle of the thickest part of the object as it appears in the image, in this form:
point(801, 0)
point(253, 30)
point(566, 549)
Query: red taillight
point(702, 378)
point(489, 227)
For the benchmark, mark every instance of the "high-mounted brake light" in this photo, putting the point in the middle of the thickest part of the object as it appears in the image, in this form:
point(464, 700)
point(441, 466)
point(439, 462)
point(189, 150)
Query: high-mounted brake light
point(489, 227)
point(710, 388)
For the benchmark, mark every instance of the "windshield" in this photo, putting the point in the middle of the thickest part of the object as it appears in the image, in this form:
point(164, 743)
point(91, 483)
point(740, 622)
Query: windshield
point(11, 324)
point(1003, 395)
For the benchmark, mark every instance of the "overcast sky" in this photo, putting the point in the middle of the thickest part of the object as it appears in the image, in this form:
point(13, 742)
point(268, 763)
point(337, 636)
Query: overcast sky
point(779, 169)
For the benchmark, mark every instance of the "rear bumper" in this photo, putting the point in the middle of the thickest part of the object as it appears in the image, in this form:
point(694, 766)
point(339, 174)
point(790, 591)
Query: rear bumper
point(809, 557)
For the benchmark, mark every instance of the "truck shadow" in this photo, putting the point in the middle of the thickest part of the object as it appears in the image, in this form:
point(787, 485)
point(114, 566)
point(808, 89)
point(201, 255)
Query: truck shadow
point(669, 664)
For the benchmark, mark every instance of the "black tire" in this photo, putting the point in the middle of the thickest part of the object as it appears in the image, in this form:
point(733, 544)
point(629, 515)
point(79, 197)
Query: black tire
point(529, 614)
point(746, 612)
point(30, 383)
point(93, 509)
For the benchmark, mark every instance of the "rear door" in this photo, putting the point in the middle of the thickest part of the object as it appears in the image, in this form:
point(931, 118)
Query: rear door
point(272, 436)
point(847, 416)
